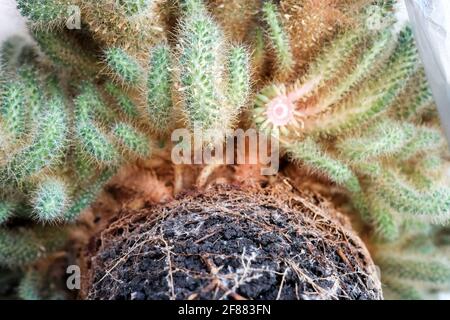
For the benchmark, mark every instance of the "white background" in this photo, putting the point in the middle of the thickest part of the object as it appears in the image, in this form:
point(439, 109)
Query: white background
point(10, 20)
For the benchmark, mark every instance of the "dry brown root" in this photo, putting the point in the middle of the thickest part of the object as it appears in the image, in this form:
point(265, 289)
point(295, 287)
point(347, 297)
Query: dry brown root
point(231, 243)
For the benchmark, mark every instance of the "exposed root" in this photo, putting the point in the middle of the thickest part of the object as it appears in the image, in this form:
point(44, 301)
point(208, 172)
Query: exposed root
point(228, 243)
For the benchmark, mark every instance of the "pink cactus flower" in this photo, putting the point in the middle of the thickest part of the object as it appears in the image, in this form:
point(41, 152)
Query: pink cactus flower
point(280, 111)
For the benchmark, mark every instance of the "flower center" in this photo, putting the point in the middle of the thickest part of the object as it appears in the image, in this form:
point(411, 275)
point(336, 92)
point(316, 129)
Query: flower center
point(280, 111)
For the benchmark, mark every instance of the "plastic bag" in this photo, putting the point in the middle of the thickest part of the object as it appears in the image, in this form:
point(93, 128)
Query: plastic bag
point(430, 20)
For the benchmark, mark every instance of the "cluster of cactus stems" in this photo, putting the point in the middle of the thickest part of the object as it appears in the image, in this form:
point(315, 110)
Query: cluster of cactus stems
point(343, 92)
point(361, 115)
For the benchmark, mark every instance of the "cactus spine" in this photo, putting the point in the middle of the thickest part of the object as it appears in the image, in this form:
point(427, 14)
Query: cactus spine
point(278, 38)
point(201, 59)
point(50, 200)
point(159, 88)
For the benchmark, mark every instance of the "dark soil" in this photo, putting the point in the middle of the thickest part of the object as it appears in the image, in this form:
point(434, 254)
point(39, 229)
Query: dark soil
point(232, 244)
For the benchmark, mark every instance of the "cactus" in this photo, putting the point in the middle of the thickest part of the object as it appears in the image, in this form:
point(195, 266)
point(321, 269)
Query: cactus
point(13, 108)
point(258, 57)
point(309, 153)
point(369, 61)
point(343, 113)
point(30, 286)
point(6, 210)
point(340, 88)
point(396, 290)
point(50, 200)
point(128, 24)
point(200, 60)
point(134, 141)
point(33, 95)
point(401, 65)
point(46, 147)
point(239, 77)
point(416, 96)
point(434, 271)
point(278, 38)
point(314, 23)
point(381, 216)
point(85, 196)
point(125, 66)
point(127, 106)
point(66, 53)
point(355, 117)
point(432, 204)
point(133, 7)
point(95, 144)
point(159, 88)
point(424, 139)
point(44, 12)
point(24, 246)
point(383, 139)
